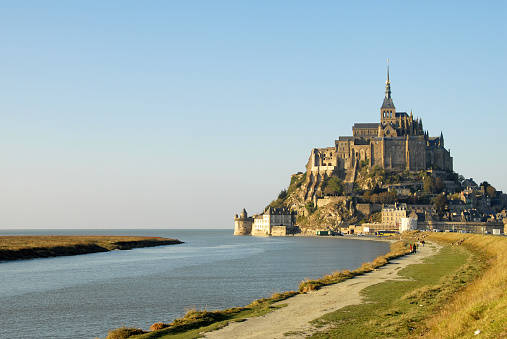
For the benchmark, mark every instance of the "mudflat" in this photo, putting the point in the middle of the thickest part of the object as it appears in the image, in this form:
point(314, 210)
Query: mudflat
point(29, 247)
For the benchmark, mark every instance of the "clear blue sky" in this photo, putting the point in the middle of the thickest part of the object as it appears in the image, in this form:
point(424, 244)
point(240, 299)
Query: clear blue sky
point(177, 114)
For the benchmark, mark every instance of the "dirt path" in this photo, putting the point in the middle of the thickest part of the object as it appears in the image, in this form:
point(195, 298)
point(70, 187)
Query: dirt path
point(304, 308)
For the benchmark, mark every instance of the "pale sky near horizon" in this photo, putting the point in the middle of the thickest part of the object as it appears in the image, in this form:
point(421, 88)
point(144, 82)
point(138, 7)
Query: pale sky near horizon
point(178, 114)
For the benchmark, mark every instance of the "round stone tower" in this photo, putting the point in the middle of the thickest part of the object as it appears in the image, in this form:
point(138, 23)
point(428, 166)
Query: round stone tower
point(243, 224)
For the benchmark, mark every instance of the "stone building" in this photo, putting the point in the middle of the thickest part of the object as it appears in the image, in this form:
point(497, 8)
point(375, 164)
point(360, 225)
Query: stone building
point(243, 224)
point(397, 141)
point(263, 224)
point(392, 214)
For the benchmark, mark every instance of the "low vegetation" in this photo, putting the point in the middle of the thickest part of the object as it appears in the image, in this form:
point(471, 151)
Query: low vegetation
point(124, 332)
point(458, 293)
point(197, 321)
point(27, 247)
point(481, 306)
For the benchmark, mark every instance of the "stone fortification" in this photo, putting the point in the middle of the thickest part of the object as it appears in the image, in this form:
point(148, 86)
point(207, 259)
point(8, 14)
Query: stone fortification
point(243, 224)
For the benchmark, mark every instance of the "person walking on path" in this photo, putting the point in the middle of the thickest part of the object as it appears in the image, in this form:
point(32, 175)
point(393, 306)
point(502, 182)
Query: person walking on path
point(414, 248)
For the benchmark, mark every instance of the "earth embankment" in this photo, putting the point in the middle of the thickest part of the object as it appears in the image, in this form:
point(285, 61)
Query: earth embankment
point(30, 247)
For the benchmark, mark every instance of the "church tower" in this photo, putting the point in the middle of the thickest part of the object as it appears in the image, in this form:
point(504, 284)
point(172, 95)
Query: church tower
point(388, 111)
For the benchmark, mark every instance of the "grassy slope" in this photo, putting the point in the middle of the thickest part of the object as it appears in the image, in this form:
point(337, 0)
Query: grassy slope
point(482, 304)
point(25, 247)
point(396, 308)
point(451, 295)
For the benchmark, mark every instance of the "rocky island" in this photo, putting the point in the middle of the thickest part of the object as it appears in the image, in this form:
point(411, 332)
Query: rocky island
point(389, 175)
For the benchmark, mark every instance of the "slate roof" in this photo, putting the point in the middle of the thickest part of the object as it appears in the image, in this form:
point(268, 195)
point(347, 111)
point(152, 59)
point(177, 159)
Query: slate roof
point(388, 103)
point(365, 125)
point(277, 211)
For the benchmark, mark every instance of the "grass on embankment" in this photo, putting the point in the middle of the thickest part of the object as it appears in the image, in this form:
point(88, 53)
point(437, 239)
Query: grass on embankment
point(482, 304)
point(196, 321)
point(28, 247)
point(453, 294)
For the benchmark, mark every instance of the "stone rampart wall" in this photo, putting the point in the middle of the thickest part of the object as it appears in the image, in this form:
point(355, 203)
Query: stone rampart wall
point(243, 226)
point(328, 200)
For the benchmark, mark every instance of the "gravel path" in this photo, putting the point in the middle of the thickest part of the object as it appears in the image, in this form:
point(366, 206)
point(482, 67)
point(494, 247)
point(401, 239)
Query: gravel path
point(303, 308)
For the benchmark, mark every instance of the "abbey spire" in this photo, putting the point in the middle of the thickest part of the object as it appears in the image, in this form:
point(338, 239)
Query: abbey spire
point(387, 111)
point(388, 83)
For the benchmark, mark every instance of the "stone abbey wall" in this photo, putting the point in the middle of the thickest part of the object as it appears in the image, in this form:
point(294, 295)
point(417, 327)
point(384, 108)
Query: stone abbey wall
point(398, 141)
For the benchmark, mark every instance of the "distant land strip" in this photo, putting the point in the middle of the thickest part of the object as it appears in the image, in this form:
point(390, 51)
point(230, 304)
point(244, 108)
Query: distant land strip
point(30, 247)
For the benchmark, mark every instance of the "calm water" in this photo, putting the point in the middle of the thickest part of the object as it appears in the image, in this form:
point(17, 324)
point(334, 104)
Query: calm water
point(86, 296)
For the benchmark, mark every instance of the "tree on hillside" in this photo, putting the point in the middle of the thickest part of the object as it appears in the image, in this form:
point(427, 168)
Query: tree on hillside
point(439, 185)
point(375, 199)
point(428, 184)
point(393, 178)
point(461, 179)
point(433, 185)
point(387, 197)
point(332, 186)
point(491, 191)
point(440, 202)
point(377, 189)
point(367, 196)
point(363, 163)
point(283, 194)
point(310, 207)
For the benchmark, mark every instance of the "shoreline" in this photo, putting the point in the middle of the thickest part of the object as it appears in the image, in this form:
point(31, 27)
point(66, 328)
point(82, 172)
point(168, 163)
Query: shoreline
point(472, 285)
point(301, 309)
point(33, 247)
point(186, 324)
point(390, 239)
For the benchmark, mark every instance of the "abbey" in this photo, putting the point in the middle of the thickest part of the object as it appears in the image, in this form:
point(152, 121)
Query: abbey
point(338, 176)
point(398, 141)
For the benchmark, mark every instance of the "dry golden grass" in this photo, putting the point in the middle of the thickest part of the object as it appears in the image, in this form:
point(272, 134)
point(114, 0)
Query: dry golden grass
point(23, 247)
point(36, 241)
point(482, 305)
point(124, 333)
point(158, 326)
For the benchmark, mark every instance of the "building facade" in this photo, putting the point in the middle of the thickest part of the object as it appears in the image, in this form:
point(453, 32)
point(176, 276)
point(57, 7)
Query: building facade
point(263, 224)
point(274, 221)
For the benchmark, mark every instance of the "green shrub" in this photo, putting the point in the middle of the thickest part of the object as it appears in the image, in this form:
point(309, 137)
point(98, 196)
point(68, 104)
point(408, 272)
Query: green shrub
point(124, 333)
